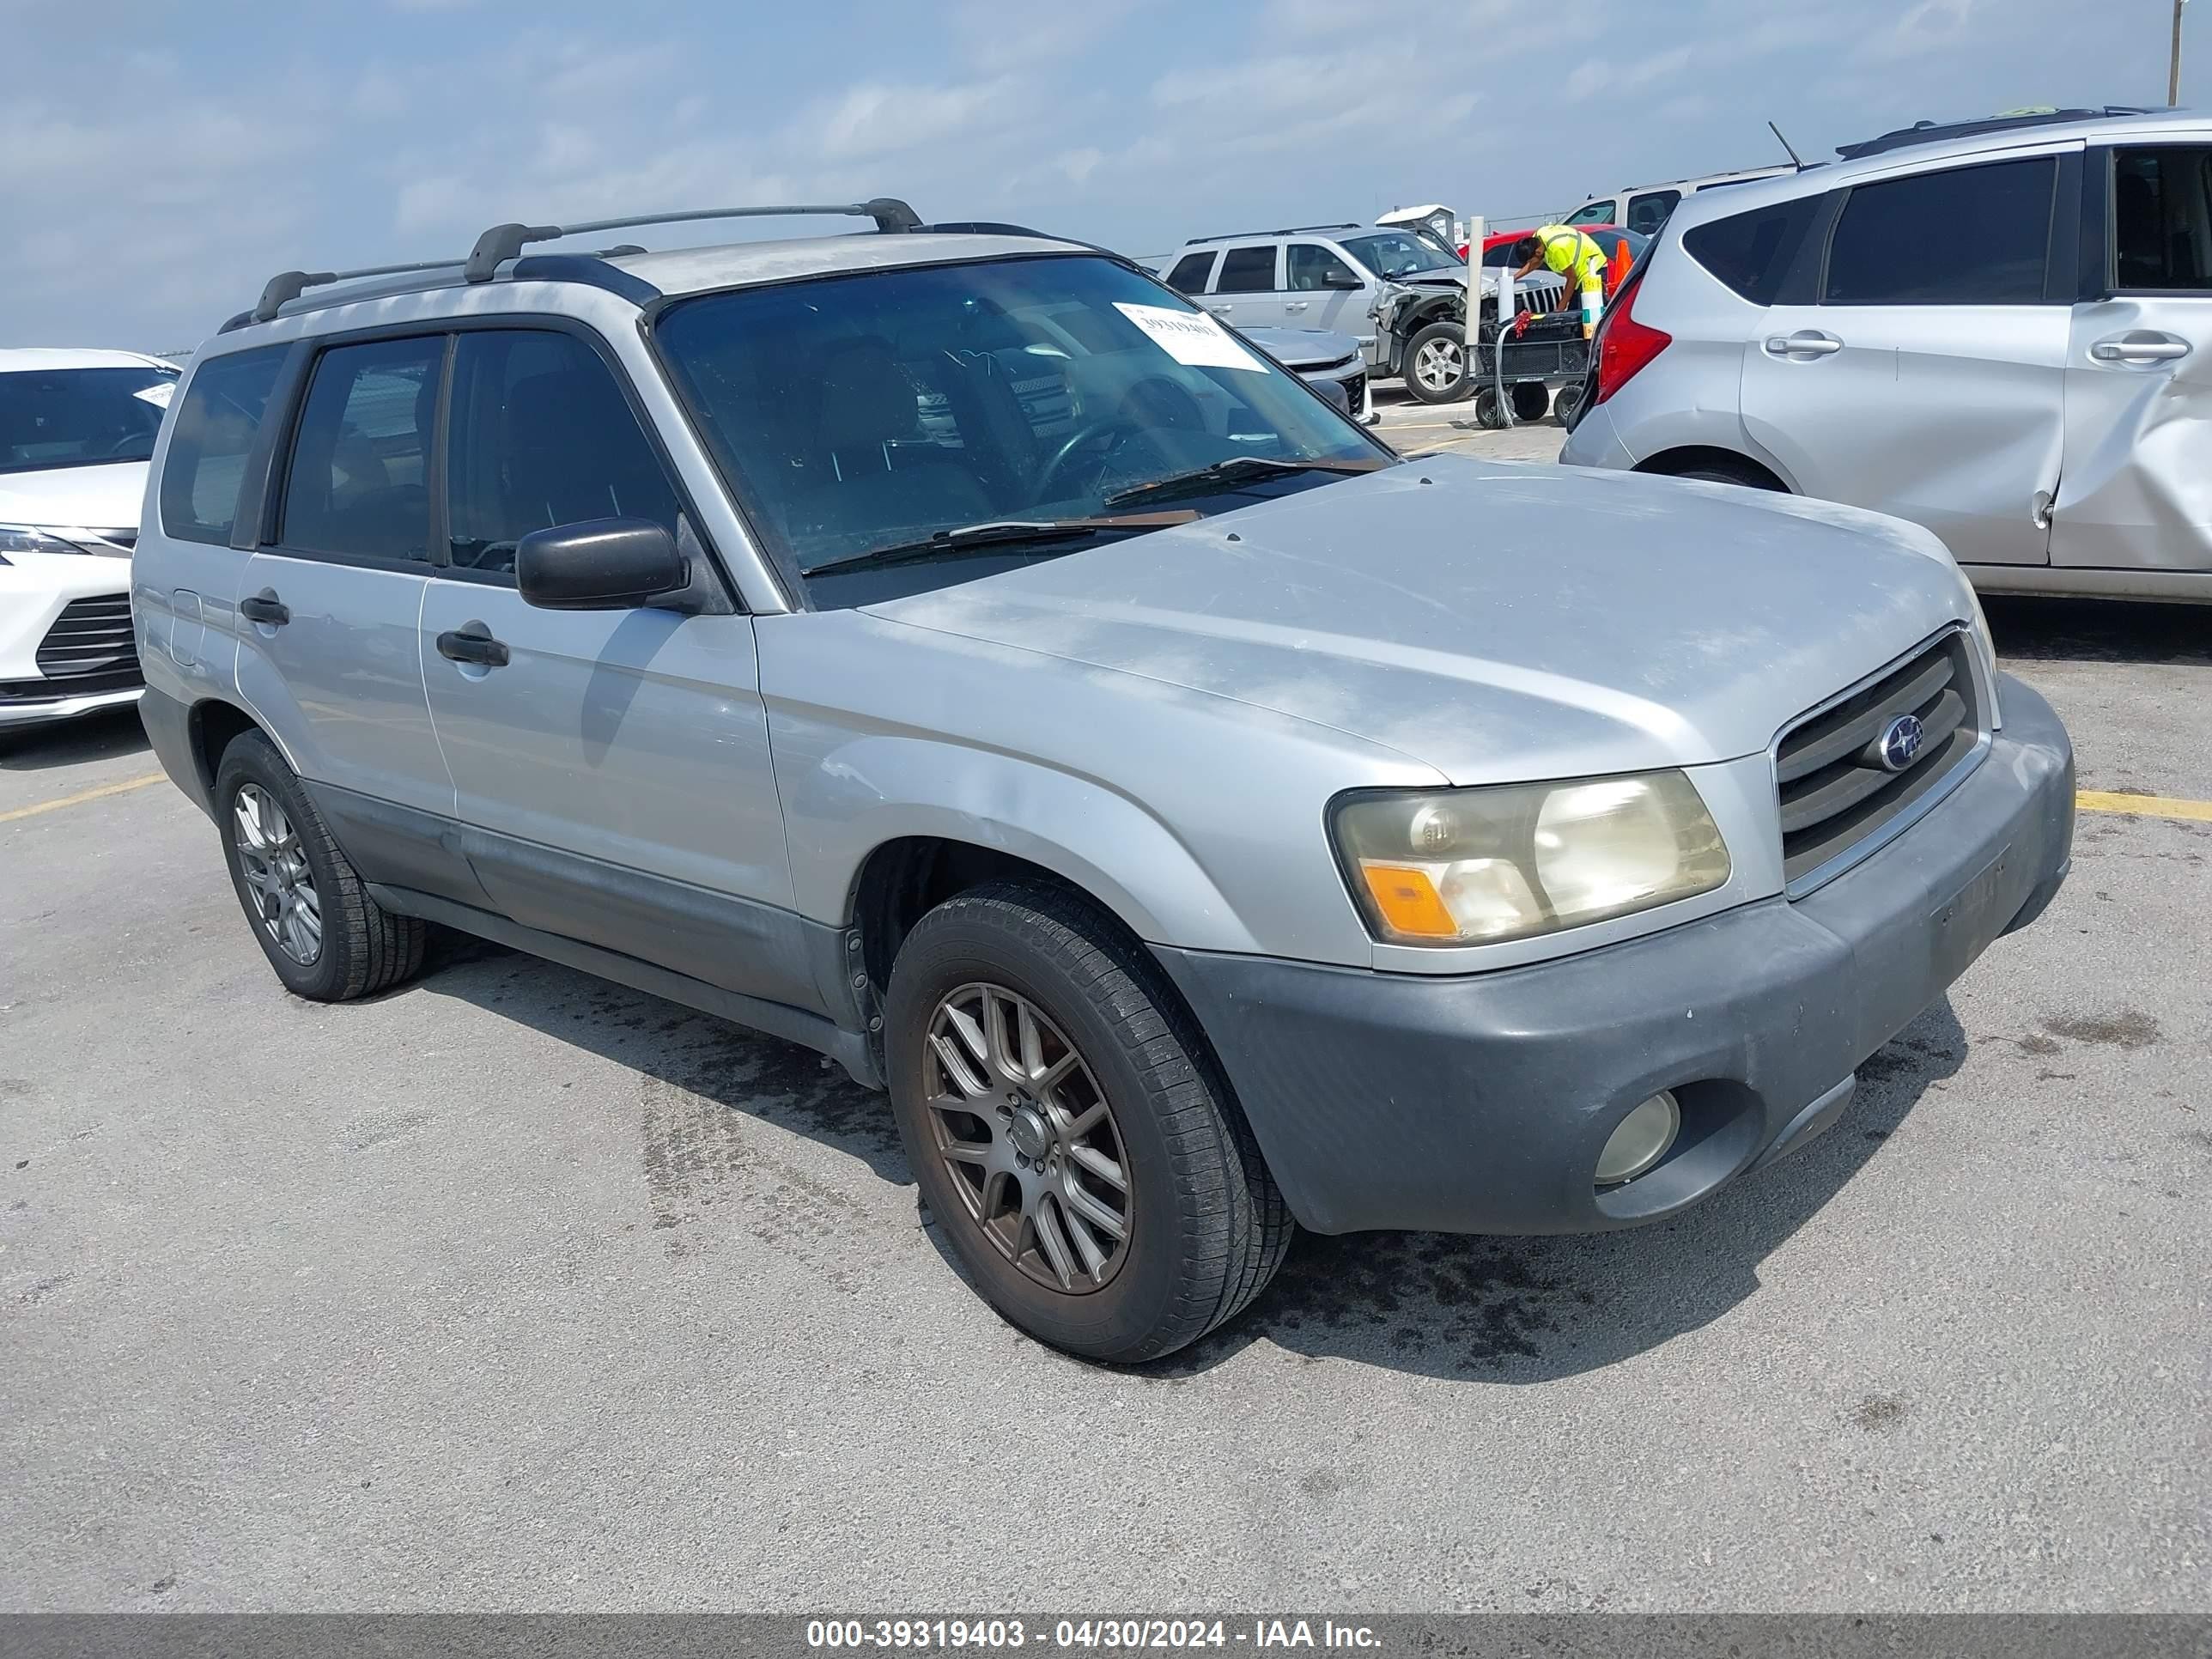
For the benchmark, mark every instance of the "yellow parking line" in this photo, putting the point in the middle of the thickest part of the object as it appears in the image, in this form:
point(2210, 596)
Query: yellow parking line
point(81, 796)
point(2143, 806)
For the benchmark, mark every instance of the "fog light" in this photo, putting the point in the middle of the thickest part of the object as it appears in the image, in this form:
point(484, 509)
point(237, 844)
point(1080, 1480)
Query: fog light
point(1641, 1140)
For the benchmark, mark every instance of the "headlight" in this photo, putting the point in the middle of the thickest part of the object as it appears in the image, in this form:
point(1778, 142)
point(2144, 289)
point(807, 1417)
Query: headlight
point(1475, 867)
point(21, 538)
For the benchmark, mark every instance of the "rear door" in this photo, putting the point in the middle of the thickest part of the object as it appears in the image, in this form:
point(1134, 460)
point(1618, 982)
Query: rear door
point(1248, 286)
point(613, 770)
point(329, 611)
point(1923, 374)
point(2135, 492)
point(190, 554)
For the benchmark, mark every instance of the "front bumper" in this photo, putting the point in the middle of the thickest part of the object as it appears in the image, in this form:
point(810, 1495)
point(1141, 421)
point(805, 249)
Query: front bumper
point(1479, 1103)
point(40, 710)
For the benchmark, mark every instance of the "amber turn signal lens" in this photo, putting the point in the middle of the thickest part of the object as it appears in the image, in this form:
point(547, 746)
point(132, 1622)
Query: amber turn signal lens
point(1408, 901)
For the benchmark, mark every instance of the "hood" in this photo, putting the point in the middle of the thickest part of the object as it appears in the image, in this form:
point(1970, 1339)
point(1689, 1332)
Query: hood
point(1303, 348)
point(106, 497)
point(1497, 622)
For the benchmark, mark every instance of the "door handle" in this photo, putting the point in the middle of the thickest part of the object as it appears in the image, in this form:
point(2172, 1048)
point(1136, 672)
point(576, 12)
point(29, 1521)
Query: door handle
point(1805, 343)
point(2139, 349)
point(1297, 305)
point(1221, 310)
point(265, 607)
point(471, 642)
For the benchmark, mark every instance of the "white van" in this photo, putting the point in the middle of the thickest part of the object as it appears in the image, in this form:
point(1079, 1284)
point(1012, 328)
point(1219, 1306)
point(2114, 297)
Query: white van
point(1643, 208)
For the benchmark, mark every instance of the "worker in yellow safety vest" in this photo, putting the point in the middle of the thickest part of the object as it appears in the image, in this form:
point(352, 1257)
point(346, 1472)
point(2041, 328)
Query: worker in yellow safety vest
point(1566, 252)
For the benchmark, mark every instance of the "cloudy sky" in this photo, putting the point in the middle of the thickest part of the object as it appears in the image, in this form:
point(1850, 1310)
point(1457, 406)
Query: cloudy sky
point(162, 159)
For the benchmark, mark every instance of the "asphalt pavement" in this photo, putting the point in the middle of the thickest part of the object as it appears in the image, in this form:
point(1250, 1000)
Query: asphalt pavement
point(513, 1289)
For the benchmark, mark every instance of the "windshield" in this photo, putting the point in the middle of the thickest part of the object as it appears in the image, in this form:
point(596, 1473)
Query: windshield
point(80, 416)
point(869, 411)
point(1397, 253)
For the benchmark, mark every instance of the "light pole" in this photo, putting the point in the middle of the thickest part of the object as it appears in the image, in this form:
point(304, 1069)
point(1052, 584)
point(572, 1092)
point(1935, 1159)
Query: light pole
point(2173, 62)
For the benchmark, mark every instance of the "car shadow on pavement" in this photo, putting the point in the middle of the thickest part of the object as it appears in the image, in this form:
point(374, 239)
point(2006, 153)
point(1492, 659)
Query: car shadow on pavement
point(1498, 1310)
point(720, 1067)
point(1535, 1309)
point(72, 743)
point(2098, 630)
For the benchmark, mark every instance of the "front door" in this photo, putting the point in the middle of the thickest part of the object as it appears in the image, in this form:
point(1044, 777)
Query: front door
point(328, 613)
point(1928, 382)
point(1325, 291)
point(613, 770)
point(2136, 493)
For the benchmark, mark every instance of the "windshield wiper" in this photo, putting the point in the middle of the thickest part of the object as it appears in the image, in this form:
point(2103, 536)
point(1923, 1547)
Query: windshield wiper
point(1236, 467)
point(1001, 533)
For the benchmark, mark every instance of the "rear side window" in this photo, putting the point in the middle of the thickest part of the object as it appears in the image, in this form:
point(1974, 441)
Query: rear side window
point(359, 487)
point(1751, 251)
point(216, 424)
point(1593, 213)
point(1188, 276)
point(1963, 236)
point(1647, 212)
point(541, 435)
point(2162, 219)
point(1246, 271)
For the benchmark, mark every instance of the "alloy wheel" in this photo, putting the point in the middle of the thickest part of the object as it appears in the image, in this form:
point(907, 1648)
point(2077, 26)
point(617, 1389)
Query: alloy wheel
point(1437, 363)
point(275, 866)
point(1026, 1134)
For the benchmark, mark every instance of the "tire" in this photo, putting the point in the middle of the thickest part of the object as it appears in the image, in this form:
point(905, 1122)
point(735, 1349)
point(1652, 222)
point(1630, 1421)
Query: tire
point(1570, 401)
point(278, 846)
point(1489, 413)
point(1728, 473)
point(1435, 363)
point(1531, 402)
point(1203, 1226)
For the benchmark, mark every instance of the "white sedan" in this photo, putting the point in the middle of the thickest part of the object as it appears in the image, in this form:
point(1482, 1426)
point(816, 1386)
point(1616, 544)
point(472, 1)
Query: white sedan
point(76, 430)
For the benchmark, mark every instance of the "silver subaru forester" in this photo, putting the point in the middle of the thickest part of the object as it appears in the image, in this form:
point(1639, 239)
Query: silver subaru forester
point(957, 653)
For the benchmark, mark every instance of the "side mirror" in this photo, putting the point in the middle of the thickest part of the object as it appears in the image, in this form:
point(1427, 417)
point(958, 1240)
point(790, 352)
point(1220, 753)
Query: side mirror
point(600, 564)
point(1341, 279)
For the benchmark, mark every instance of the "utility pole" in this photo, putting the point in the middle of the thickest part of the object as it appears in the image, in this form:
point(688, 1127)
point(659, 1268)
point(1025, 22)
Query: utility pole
point(2173, 62)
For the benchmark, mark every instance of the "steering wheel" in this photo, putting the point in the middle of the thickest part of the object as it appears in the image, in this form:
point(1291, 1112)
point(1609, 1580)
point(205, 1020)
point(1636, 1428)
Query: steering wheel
point(1047, 479)
point(130, 441)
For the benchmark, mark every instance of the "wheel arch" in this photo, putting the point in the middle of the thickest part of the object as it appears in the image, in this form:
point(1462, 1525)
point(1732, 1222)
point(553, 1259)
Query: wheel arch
point(211, 726)
point(1689, 457)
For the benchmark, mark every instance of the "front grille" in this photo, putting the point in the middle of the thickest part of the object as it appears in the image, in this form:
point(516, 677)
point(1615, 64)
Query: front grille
point(1837, 792)
point(91, 637)
point(1355, 391)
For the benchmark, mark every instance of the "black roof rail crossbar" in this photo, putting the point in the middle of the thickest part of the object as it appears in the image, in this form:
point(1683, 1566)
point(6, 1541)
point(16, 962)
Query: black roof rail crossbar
point(289, 285)
point(503, 242)
point(1929, 132)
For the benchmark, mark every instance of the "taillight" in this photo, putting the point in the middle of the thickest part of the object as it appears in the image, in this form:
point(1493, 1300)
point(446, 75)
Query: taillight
point(1624, 345)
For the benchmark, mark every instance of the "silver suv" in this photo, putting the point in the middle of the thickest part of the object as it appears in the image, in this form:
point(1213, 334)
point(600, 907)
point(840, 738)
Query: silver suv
point(959, 654)
point(2003, 332)
point(1391, 288)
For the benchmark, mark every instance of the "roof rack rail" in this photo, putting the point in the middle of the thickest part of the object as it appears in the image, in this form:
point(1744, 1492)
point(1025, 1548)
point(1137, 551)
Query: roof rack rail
point(289, 285)
point(506, 241)
point(1280, 230)
point(1930, 132)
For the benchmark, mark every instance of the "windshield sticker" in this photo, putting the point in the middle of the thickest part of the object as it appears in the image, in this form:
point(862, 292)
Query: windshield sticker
point(1190, 337)
point(158, 394)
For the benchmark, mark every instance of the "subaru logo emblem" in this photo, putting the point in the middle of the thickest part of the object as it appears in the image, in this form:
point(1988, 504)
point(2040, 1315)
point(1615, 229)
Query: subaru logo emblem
point(1900, 742)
